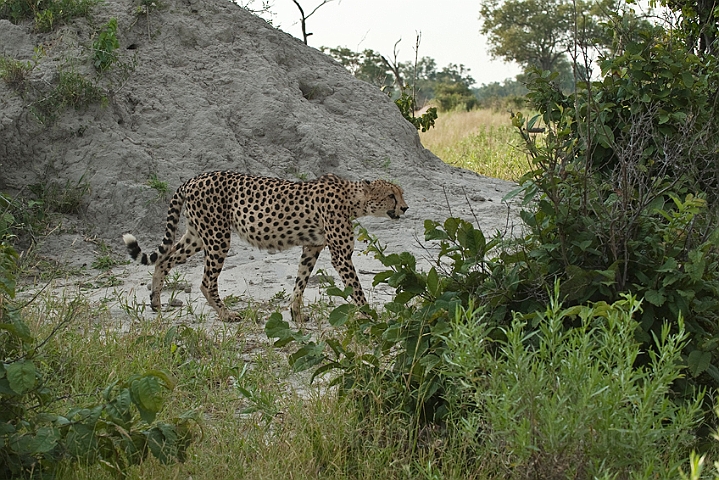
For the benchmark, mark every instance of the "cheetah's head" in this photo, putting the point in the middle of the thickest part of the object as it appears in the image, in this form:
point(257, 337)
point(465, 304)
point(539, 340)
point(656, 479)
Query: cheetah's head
point(384, 199)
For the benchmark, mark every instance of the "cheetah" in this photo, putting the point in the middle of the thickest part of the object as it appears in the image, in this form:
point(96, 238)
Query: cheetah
point(271, 214)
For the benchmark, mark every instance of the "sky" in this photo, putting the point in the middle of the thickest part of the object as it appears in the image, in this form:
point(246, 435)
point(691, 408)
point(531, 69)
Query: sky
point(449, 31)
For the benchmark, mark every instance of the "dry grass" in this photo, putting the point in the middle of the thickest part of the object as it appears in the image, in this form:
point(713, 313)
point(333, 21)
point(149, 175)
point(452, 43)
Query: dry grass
point(480, 140)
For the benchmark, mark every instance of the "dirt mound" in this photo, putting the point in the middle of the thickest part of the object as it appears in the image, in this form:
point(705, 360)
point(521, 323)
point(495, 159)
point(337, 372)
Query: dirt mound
point(214, 87)
point(205, 85)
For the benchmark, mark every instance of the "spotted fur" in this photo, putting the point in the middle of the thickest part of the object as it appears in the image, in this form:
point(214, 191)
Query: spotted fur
point(271, 214)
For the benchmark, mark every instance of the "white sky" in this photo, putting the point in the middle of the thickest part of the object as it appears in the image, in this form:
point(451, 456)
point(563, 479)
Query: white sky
point(449, 28)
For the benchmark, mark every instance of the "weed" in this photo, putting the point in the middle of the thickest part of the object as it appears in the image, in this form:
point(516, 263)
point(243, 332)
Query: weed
point(72, 90)
point(15, 73)
point(232, 300)
point(177, 281)
point(66, 199)
point(155, 183)
point(104, 46)
point(45, 13)
point(104, 263)
point(21, 220)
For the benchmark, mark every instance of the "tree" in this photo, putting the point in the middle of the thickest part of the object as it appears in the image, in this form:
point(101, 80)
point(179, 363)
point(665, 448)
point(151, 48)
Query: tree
point(367, 65)
point(540, 33)
point(698, 22)
point(303, 17)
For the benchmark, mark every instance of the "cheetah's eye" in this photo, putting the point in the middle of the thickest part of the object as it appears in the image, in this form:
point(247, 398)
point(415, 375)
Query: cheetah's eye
point(391, 195)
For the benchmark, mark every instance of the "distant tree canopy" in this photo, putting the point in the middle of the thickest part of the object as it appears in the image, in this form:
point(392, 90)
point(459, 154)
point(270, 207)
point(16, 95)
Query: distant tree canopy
point(450, 87)
point(540, 33)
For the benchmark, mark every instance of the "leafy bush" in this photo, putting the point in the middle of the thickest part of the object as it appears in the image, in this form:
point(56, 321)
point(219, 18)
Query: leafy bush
point(561, 391)
point(622, 193)
point(118, 431)
point(454, 96)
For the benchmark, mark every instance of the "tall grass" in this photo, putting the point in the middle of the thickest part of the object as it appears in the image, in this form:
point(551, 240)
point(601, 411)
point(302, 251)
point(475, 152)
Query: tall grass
point(480, 140)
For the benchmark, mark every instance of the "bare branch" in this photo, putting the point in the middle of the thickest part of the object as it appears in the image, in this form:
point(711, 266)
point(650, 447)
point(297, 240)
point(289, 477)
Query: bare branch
point(303, 17)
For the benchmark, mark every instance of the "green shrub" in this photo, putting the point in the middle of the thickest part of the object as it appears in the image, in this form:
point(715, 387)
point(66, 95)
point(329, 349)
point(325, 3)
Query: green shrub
point(571, 403)
point(407, 106)
point(119, 430)
point(622, 192)
point(454, 96)
point(104, 46)
point(15, 72)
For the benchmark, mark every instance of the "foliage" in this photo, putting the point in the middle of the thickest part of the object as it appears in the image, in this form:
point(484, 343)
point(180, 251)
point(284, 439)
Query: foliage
point(72, 90)
point(401, 354)
point(621, 193)
point(118, 431)
point(539, 34)
point(20, 220)
point(499, 95)
point(454, 96)
point(697, 25)
point(104, 46)
point(531, 394)
point(15, 72)
point(366, 65)
point(46, 13)
point(571, 403)
point(160, 186)
point(407, 106)
point(421, 77)
point(56, 197)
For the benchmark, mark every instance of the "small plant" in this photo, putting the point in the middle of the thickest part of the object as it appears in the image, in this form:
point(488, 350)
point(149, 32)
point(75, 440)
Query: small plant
point(66, 199)
point(407, 106)
point(15, 72)
point(555, 400)
point(118, 430)
point(104, 46)
point(176, 281)
point(144, 8)
point(73, 90)
point(45, 13)
point(21, 220)
point(232, 300)
point(104, 263)
point(161, 187)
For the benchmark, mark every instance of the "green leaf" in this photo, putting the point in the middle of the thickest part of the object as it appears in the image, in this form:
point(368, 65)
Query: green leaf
point(654, 297)
point(340, 315)
point(698, 361)
point(276, 327)
point(307, 357)
point(21, 375)
point(433, 282)
point(146, 392)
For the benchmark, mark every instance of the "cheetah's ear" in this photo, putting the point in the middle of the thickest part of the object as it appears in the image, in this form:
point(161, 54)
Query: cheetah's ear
point(367, 182)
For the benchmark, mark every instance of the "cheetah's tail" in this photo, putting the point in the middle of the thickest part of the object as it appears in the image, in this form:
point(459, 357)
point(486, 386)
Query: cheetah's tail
point(173, 217)
point(133, 248)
